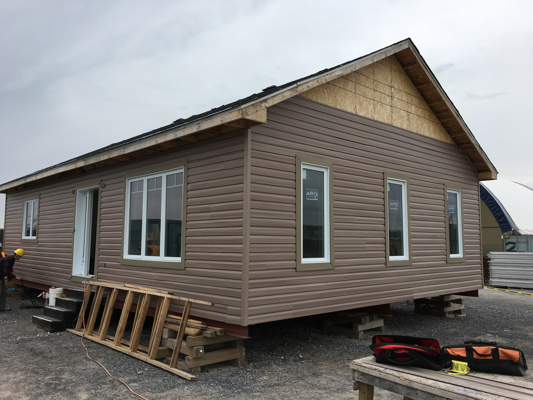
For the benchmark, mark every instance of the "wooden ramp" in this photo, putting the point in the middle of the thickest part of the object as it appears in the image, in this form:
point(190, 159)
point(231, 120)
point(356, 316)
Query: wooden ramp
point(136, 300)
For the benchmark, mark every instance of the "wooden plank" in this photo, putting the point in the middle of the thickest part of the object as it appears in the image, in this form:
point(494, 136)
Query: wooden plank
point(157, 332)
point(94, 310)
point(190, 321)
point(108, 312)
point(193, 341)
point(143, 289)
point(123, 318)
point(181, 333)
point(366, 391)
point(140, 356)
point(156, 316)
point(188, 331)
point(81, 316)
point(438, 383)
point(196, 352)
point(368, 381)
point(140, 316)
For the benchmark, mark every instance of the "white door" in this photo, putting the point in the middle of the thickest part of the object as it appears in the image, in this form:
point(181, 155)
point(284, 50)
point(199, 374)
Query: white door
point(84, 234)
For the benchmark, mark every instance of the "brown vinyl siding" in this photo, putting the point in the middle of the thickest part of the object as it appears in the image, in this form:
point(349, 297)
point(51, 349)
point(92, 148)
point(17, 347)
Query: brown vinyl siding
point(220, 212)
point(45, 259)
point(213, 251)
point(361, 151)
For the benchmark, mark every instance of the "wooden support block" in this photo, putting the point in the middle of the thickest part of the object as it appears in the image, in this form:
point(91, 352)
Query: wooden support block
point(214, 357)
point(195, 352)
point(443, 306)
point(193, 341)
point(353, 324)
point(378, 323)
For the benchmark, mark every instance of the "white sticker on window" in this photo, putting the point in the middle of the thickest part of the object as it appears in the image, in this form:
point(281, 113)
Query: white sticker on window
point(311, 194)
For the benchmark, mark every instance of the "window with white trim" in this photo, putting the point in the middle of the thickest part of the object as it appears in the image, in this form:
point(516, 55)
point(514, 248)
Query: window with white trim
point(154, 217)
point(454, 221)
point(397, 217)
point(29, 221)
point(314, 214)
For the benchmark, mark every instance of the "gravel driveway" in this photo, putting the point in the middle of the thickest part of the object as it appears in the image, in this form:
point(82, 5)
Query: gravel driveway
point(285, 360)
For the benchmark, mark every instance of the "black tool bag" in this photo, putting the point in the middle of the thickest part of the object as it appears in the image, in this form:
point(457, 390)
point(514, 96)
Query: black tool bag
point(487, 357)
point(407, 351)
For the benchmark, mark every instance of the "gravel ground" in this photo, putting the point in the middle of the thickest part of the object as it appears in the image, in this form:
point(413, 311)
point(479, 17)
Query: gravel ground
point(287, 359)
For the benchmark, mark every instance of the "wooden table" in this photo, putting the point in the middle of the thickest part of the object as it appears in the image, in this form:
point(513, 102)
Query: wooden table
point(418, 383)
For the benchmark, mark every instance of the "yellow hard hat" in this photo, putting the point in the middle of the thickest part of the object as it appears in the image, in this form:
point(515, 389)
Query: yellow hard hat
point(19, 252)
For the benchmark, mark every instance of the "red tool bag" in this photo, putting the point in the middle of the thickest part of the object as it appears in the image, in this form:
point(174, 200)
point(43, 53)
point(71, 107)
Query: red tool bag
point(407, 351)
point(487, 357)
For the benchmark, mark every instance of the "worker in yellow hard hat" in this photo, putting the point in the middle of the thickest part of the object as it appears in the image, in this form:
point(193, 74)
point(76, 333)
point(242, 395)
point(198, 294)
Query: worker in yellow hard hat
point(6, 271)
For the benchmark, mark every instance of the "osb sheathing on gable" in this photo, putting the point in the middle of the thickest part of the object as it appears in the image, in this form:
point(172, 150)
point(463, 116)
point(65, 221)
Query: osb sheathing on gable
point(382, 91)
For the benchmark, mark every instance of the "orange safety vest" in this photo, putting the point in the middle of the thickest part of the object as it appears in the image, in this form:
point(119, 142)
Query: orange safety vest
point(2, 254)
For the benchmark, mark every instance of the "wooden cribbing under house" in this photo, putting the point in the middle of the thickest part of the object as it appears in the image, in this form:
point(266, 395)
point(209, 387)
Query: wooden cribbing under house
point(154, 352)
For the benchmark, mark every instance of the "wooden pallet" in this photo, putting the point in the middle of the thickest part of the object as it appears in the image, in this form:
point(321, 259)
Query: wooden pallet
point(136, 299)
point(449, 306)
point(353, 324)
point(204, 346)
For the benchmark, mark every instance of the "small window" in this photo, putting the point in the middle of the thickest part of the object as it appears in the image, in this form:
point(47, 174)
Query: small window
point(454, 225)
point(314, 236)
point(29, 223)
point(397, 220)
point(154, 217)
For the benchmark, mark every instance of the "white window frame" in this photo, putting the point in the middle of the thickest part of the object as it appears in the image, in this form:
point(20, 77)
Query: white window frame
point(326, 210)
point(31, 218)
point(143, 257)
point(405, 219)
point(459, 205)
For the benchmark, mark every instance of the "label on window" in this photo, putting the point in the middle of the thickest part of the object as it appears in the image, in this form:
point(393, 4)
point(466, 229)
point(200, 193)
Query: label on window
point(451, 210)
point(393, 204)
point(311, 194)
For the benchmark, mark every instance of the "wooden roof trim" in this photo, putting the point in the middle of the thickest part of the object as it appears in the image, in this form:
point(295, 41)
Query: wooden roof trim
point(450, 117)
point(232, 117)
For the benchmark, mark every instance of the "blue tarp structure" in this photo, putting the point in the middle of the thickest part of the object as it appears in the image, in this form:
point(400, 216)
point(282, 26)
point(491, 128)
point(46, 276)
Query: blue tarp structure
point(511, 203)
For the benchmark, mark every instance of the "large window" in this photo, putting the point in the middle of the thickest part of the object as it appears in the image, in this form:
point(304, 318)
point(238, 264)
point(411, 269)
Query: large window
point(454, 224)
point(29, 223)
point(397, 220)
point(314, 235)
point(154, 217)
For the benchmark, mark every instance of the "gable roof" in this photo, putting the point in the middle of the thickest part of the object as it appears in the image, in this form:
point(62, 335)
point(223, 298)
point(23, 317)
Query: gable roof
point(509, 202)
point(252, 110)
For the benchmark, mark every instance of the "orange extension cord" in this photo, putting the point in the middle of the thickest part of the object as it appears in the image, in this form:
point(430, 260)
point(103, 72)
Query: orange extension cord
point(98, 362)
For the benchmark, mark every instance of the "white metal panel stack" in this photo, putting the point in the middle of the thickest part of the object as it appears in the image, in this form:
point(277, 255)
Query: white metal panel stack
point(511, 269)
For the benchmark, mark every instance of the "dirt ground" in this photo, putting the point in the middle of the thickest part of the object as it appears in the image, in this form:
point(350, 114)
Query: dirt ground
point(288, 359)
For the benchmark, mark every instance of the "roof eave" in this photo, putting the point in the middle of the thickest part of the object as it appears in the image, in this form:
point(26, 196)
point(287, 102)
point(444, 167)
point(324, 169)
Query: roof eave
point(255, 112)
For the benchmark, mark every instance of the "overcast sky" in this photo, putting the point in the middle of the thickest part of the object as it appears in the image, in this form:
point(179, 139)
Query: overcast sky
point(77, 75)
